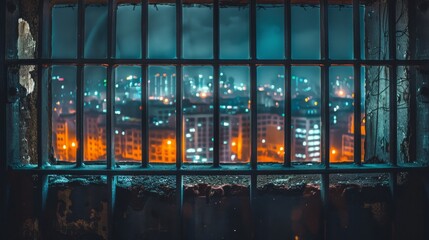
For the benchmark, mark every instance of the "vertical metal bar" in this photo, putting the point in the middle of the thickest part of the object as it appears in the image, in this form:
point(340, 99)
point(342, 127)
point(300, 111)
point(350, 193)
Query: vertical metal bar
point(324, 191)
point(179, 207)
point(253, 89)
point(145, 87)
point(393, 113)
point(110, 141)
point(80, 85)
point(324, 81)
point(110, 115)
point(110, 118)
point(324, 28)
point(357, 83)
point(216, 74)
point(392, 84)
point(145, 117)
point(179, 120)
point(42, 192)
point(42, 96)
point(144, 28)
point(393, 205)
point(253, 118)
point(47, 23)
point(179, 114)
point(288, 84)
point(253, 197)
point(111, 185)
point(357, 115)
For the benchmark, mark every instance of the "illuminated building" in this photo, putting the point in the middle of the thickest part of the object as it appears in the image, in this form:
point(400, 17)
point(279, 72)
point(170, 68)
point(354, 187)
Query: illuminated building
point(64, 137)
point(347, 145)
point(270, 137)
point(162, 145)
point(95, 136)
point(306, 138)
point(198, 137)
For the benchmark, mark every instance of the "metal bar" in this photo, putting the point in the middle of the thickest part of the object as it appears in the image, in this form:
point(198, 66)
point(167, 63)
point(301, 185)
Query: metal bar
point(324, 83)
point(357, 116)
point(179, 121)
point(356, 31)
point(42, 195)
point(324, 191)
point(393, 111)
point(179, 28)
point(47, 22)
point(80, 84)
point(393, 205)
point(279, 62)
point(324, 188)
point(110, 118)
point(111, 185)
point(144, 118)
point(253, 197)
point(179, 207)
point(225, 170)
point(216, 95)
point(288, 84)
point(111, 29)
point(145, 86)
point(42, 98)
point(179, 114)
point(253, 118)
point(357, 83)
point(253, 89)
point(144, 28)
point(179, 118)
point(325, 117)
point(110, 96)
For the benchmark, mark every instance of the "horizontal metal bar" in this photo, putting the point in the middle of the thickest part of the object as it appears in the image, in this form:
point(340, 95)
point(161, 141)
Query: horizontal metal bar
point(263, 169)
point(388, 62)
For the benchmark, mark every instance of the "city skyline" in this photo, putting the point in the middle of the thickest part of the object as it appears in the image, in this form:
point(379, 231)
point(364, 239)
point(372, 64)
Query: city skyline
point(198, 84)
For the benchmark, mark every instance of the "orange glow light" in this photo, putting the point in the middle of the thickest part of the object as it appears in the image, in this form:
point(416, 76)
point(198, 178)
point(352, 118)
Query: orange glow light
point(168, 142)
point(334, 151)
point(64, 146)
point(73, 144)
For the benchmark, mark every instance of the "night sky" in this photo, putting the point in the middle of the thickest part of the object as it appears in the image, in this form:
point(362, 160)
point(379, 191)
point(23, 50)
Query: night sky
point(198, 34)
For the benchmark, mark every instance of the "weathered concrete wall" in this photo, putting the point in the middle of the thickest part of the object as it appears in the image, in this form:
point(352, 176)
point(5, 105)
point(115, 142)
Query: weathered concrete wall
point(23, 112)
point(422, 78)
point(376, 84)
point(360, 208)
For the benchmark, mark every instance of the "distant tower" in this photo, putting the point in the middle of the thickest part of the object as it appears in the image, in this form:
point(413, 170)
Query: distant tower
point(156, 85)
point(165, 85)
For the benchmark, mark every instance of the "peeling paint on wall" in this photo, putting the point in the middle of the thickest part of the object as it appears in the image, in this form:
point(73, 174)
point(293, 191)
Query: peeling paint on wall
point(26, 47)
point(95, 220)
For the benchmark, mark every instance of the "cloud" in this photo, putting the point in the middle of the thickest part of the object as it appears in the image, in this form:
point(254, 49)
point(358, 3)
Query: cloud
point(197, 32)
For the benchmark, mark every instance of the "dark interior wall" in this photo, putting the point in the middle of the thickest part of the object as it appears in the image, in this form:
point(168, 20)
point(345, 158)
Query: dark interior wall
point(145, 209)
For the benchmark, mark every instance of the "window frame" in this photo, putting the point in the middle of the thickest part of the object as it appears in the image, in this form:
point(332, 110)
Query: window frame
point(253, 169)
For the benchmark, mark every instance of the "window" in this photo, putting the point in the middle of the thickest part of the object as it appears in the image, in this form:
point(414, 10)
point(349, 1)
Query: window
point(216, 87)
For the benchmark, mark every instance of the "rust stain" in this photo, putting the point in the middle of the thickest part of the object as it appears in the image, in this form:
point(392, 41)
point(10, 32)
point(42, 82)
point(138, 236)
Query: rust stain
point(96, 221)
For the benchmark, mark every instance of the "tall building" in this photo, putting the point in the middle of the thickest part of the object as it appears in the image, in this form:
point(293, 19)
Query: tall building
point(306, 138)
